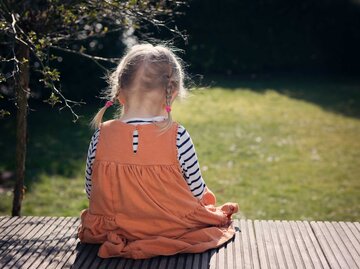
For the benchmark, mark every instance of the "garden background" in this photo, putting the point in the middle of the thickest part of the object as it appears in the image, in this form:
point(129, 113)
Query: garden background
point(273, 111)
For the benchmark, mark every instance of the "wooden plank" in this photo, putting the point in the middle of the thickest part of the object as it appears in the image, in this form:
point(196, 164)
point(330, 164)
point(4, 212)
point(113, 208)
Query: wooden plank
point(146, 264)
point(34, 252)
point(10, 230)
point(294, 248)
point(129, 264)
point(43, 251)
point(8, 222)
point(253, 246)
point(67, 247)
point(136, 264)
point(238, 245)
point(230, 254)
point(18, 244)
point(221, 262)
point(181, 261)
point(90, 256)
point(120, 263)
point(213, 259)
point(21, 242)
point(343, 258)
point(342, 244)
point(275, 240)
point(4, 220)
point(312, 245)
point(82, 251)
point(326, 243)
point(109, 263)
point(214, 253)
point(56, 243)
point(163, 262)
point(154, 264)
point(205, 260)
point(285, 245)
point(37, 242)
point(68, 250)
point(261, 242)
point(248, 246)
point(270, 246)
point(59, 244)
point(11, 238)
point(196, 261)
point(357, 225)
point(95, 262)
point(354, 238)
point(172, 260)
point(17, 251)
point(305, 256)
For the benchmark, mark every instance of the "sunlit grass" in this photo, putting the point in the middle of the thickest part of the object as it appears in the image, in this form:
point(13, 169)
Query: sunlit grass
point(278, 157)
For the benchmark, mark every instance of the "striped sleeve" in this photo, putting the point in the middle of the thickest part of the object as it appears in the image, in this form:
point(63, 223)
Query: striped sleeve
point(90, 160)
point(189, 163)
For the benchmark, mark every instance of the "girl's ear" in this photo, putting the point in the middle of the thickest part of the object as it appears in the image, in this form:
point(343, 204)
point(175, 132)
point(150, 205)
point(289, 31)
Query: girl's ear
point(121, 97)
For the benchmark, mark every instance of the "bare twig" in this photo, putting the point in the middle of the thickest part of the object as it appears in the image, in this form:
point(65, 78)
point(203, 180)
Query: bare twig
point(16, 69)
point(95, 59)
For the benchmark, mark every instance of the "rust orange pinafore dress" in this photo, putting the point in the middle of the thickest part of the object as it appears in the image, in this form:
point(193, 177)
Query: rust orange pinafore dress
point(140, 205)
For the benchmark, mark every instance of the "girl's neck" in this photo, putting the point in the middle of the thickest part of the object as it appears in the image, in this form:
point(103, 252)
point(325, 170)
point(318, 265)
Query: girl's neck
point(140, 113)
point(141, 104)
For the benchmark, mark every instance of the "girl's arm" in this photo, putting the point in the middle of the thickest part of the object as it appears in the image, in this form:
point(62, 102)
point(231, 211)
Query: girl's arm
point(208, 197)
point(189, 163)
point(90, 160)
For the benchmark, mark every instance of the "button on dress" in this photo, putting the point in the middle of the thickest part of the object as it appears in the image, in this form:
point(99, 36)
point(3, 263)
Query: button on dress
point(140, 204)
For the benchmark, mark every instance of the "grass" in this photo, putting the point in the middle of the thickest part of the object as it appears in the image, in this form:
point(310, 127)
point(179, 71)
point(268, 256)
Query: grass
point(279, 156)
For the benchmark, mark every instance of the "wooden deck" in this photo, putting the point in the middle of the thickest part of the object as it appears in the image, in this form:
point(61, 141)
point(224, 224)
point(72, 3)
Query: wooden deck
point(50, 242)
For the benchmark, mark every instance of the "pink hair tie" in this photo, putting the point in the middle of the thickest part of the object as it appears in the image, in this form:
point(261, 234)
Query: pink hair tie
point(168, 109)
point(109, 104)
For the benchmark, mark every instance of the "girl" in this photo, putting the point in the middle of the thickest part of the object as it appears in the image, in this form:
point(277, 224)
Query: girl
point(147, 195)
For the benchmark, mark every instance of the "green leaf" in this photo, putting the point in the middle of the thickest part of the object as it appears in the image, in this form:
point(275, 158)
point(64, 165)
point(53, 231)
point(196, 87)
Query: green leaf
point(2, 79)
point(53, 100)
point(4, 113)
point(51, 74)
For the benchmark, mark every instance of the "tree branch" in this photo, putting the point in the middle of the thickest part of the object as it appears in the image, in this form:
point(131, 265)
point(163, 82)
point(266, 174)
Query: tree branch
point(95, 59)
point(32, 48)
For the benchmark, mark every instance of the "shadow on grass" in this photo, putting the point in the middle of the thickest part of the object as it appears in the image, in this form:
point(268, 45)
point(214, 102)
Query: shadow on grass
point(335, 94)
point(56, 145)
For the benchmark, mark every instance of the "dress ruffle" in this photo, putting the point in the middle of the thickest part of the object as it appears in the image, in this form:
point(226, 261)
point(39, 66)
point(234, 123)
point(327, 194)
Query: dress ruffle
point(210, 228)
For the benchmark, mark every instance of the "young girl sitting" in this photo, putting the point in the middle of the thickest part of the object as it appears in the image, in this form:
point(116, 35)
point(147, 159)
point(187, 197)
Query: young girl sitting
point(147, 195)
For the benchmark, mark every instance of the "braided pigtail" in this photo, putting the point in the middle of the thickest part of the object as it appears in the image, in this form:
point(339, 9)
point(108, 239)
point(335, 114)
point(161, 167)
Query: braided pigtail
point(96, 121)
point(168, 96)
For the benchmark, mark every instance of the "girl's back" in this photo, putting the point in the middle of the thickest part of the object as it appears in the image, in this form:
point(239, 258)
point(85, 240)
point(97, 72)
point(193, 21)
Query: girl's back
point(151, 178)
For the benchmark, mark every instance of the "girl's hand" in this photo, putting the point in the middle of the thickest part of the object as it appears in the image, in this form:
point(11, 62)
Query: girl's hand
point(229, 209)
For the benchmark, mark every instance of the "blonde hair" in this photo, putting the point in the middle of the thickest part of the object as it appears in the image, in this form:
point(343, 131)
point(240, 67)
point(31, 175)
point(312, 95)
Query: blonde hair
point(162, 68)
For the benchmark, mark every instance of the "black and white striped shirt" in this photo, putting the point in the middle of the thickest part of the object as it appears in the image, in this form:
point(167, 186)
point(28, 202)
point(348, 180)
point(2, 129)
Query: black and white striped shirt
point(186, 155)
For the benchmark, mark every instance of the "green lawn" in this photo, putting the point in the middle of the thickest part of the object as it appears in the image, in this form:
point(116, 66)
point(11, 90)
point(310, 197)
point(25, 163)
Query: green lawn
point(279, 154)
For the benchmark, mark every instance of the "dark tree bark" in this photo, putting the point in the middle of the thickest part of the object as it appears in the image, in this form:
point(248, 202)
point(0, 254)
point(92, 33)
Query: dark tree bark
point(22, 94)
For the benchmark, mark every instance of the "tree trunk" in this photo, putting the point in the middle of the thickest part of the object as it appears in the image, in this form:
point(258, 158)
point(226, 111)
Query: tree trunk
point(22, 94)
